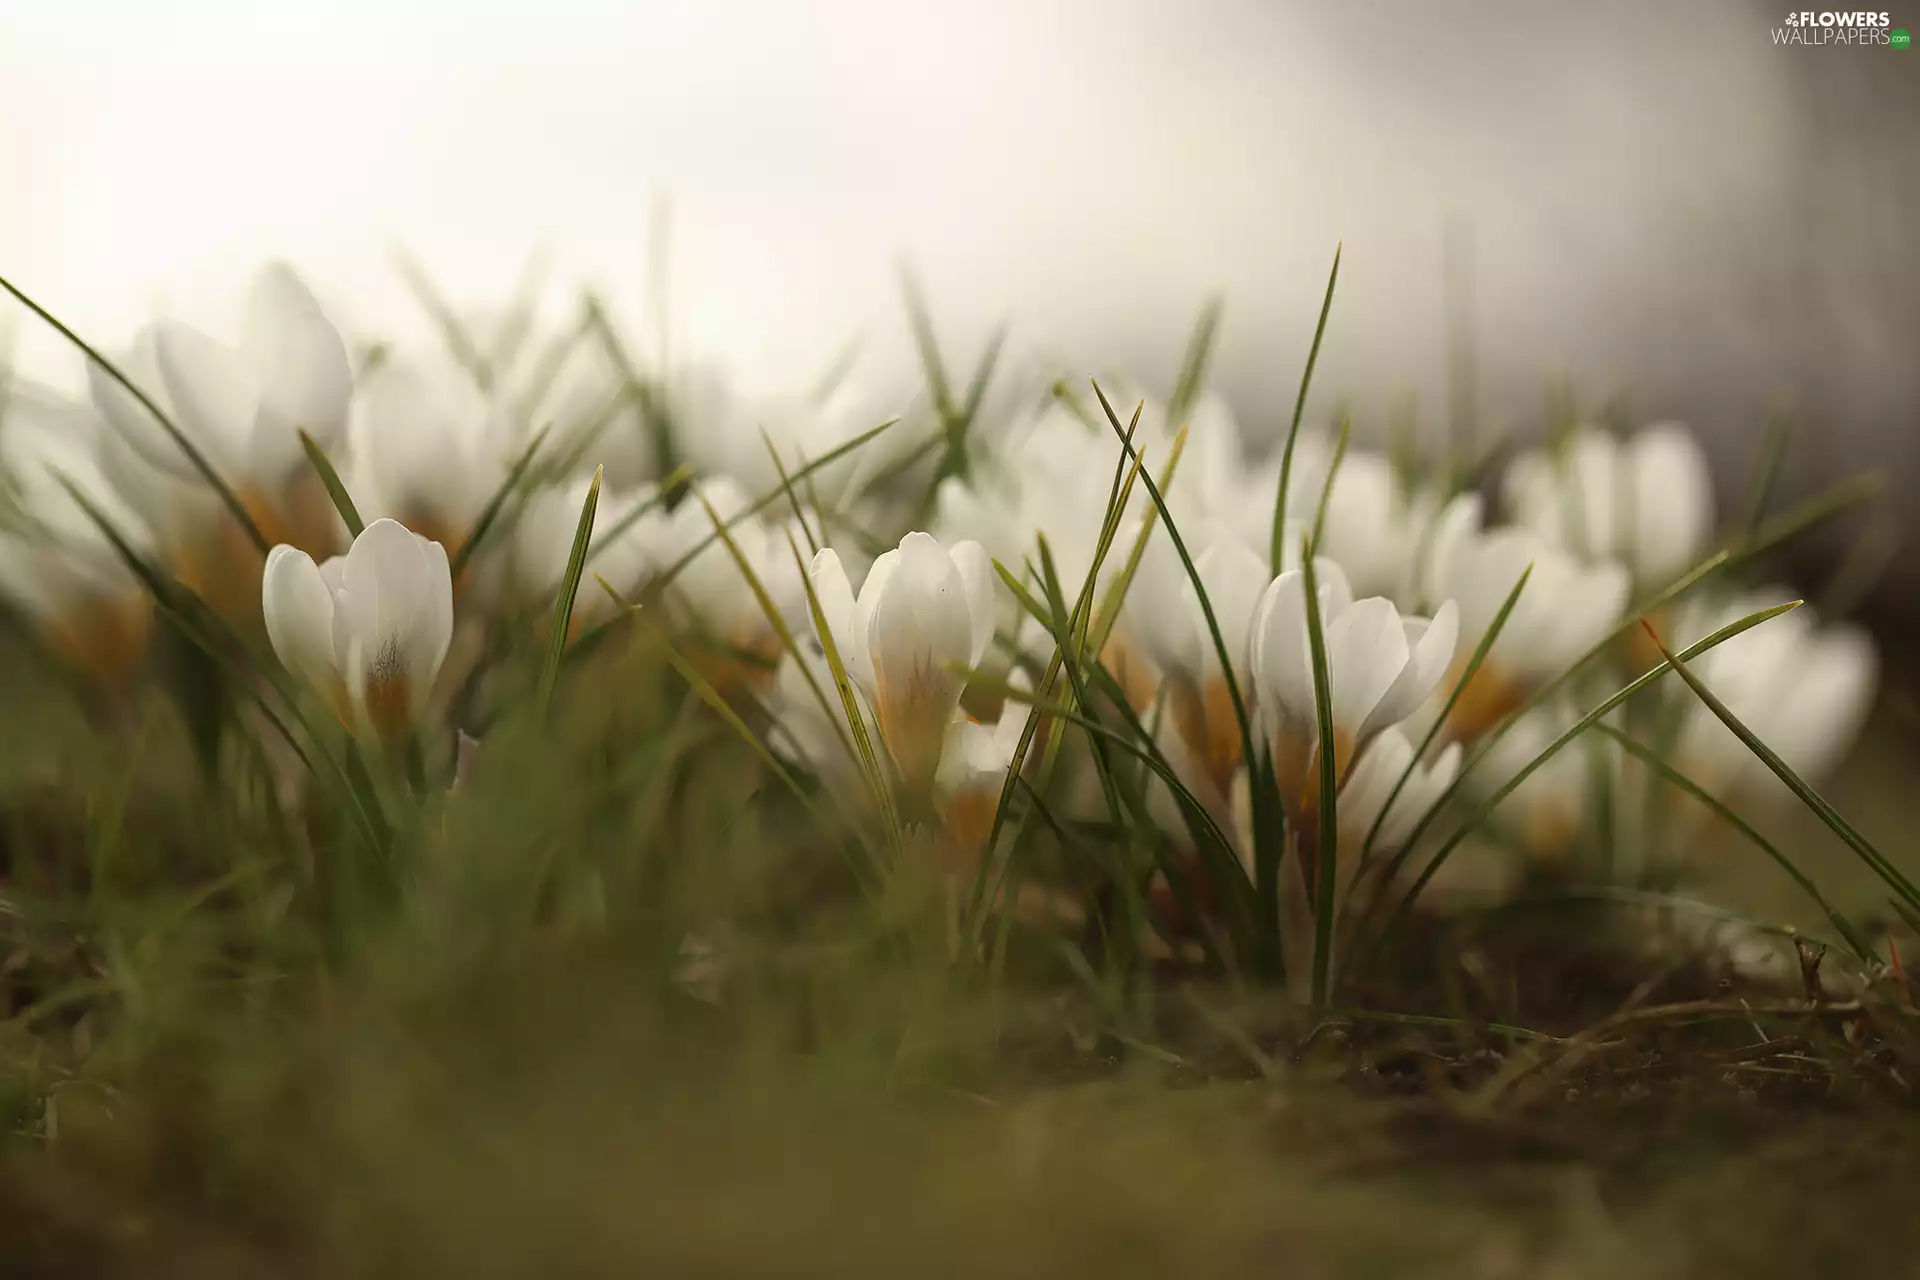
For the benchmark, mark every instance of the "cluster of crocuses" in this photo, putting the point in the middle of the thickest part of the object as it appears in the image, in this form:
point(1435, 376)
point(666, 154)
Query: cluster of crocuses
point(1212, 651)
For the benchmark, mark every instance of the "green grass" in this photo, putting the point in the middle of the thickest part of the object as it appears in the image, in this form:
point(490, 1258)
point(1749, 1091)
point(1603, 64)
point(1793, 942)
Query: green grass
point(641, 996)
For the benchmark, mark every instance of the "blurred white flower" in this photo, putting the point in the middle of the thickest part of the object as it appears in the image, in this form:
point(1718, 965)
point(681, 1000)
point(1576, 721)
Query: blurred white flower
point(1546, 813)
point(1381, 666)
point(710, 595)
point(1645, 501)
point(242, 407)
point(723, 428)
point(923, 611)
point(1372, 780)
point(428, 448)
point(811, 728)
point(369, 628)
point(1164, 608)
point(1566, 608)
point(1803, 688)
point(55, 563)
point(625, 544)
point(1375, 528)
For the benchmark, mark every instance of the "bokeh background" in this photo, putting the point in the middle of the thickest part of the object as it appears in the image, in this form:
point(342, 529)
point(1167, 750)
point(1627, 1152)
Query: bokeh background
point(1654, 200)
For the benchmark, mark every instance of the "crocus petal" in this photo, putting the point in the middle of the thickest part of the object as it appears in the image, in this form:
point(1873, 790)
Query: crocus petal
point(1422, 792)
point(869, 599)
point(1372, 778)
point(393, 621)
point(837, 606)
point(298, 607)
point(1430, 651)
point(1366, 651)
point(1235, 577)
point(918, 627)
point(132, 423)
point(214, 395)
point(969, 750)
point(435, 633)
point(1282, 664)
point(300, 365)
point(920, 621)
point(976, 574)
point(1672, 499)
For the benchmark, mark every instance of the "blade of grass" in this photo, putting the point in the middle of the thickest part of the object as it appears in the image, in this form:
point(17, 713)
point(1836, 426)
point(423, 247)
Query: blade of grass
point(1148, 755)
point(717, 703)
point(1222, 863)
point(1266, 853)
point(793, 499)
point(1193, 365)
point(1277, 551)
point(1507, 788)
point(1333, 472)
point(1665, 769)
point(1116, 597)
point(198, 460)
point(666, 455)
point(1070, 645)
point(1117, 494)
point(1329, 789)
point(342, 500)
point(483, 523)
point(872, 767)
point(835, 373)
point(764, 598)
point(1818, 509)
point(1059, 623)
point(1827, 814)
point(1766, 470)
point(772, 496)
point(551, 363)
point(976, 392)
point(577, 443)
point(569, 590)
point(453, 331)
point(926, 343)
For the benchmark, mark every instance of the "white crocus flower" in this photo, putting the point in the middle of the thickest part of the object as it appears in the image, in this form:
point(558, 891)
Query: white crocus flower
point(429, 449)
point(1371, 782)
point(1803, 688)
point(922, 612)
point(242, 407)
point(370, 628)
point(1381, 666)
point(1646, 500)
point(1566, 608)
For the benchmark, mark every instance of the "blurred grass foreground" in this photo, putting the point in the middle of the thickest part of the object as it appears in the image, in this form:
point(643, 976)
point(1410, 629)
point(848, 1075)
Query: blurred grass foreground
point(536, 805)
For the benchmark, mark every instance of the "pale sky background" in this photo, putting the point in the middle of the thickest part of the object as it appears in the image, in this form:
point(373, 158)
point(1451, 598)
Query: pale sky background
point(1662, 201)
